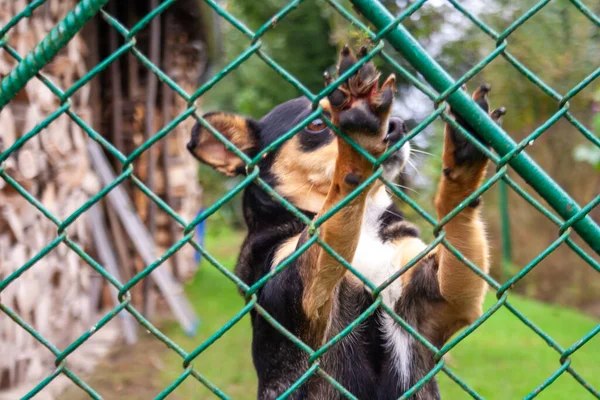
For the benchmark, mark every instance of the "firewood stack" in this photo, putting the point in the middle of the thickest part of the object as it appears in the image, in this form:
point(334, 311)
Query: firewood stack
point(184, 194)
point(174, 173)
point(54, 294)
point(60, 295)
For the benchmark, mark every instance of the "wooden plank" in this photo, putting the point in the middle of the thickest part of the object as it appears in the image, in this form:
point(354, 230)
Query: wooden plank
point(151, 92)
point(143, 242)
point(108, 259)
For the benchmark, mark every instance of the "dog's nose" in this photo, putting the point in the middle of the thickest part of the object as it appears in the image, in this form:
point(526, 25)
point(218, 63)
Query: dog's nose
point(396, 130)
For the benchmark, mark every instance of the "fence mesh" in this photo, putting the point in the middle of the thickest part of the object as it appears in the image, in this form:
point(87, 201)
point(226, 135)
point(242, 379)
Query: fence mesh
point(567, 215)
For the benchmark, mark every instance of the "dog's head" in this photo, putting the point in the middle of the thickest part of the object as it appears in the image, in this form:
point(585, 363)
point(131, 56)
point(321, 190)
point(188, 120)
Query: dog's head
point(300, 169)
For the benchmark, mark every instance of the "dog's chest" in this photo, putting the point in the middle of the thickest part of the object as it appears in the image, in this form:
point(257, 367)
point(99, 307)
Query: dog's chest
point(375, 259)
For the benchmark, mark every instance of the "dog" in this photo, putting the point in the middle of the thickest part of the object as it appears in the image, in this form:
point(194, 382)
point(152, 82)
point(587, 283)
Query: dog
point(315, 297)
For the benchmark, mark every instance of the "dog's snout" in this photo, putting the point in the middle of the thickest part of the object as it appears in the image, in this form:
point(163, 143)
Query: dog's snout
point(396, 129)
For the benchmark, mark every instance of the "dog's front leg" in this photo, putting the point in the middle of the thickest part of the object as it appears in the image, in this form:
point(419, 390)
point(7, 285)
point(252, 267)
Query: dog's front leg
point(341, 232)
point(361, 110)
point(464, 170)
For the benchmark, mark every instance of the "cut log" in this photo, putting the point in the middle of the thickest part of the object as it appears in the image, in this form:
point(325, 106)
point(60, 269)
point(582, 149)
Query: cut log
point(27, 164)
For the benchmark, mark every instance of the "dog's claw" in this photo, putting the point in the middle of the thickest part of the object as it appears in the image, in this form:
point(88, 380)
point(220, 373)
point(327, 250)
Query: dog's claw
point(327, 78)
point(390, 82)
point(363, 52)
point(347, 60)
point(497, 113)
point(480, 96)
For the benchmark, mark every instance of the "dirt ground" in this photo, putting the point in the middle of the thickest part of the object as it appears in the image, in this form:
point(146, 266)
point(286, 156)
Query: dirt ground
point(129, 372)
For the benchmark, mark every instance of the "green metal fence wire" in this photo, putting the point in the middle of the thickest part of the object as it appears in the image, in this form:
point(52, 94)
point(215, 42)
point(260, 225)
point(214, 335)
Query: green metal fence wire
point(567, 215)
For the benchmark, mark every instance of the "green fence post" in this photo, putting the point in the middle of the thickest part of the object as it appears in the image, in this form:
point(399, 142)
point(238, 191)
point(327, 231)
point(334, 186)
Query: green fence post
point(48, 48)
point(505, 227)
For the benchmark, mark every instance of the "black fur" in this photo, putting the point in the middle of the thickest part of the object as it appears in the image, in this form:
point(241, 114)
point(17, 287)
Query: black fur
point(476, 202)
point(394, 226)
point(352, 179)
point(311, 141)
point(465, 152)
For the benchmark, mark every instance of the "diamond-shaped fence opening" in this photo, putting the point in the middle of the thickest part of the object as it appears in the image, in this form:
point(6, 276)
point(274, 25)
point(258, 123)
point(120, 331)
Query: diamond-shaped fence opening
point(386, 33)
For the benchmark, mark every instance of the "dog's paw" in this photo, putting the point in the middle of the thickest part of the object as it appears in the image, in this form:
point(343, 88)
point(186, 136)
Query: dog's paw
point(465, 152)
point(359, 106)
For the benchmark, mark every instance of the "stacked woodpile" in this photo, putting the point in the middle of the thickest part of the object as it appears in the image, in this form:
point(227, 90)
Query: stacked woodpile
point(60, 295)
point(54, 168)
point(134, 106)
point(174, 172)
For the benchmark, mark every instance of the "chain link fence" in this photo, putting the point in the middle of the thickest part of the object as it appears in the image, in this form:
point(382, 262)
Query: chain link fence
point(568, 217)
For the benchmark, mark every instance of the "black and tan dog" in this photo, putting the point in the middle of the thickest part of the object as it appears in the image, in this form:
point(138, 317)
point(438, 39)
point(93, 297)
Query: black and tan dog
point(316, 297)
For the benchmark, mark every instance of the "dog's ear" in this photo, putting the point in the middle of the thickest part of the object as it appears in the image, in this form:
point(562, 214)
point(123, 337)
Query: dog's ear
point(242, 132)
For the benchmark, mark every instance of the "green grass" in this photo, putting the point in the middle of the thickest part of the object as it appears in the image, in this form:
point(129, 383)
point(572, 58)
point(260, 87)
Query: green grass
point(227, 363)
point(503, 359)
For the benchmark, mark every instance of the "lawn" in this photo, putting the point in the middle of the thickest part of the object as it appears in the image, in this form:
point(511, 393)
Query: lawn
point(503, 359)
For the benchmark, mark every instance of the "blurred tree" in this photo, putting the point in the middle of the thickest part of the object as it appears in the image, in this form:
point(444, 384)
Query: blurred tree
point(300, 44)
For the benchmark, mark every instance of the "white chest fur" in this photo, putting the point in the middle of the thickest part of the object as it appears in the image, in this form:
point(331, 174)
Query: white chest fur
point(377, 261)
point(374, 259)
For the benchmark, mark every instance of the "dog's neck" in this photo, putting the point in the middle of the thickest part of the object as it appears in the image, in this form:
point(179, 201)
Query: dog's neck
point(262, 212)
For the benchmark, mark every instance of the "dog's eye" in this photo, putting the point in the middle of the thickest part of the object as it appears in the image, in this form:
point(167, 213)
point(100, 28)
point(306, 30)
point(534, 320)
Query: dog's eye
point(316, 126)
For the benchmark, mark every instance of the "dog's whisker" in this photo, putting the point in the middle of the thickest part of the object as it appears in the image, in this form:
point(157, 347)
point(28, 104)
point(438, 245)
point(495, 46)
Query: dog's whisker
point(405, 187)
point(409, 162)
point(421, 152)
point(393, 213)
point(299, 187)
point(309, 190)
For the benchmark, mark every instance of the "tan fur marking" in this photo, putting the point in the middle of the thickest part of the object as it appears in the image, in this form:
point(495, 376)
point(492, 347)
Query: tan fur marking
point(304, 178)
point(409, 248)
point(213, 152)
point(285, 250)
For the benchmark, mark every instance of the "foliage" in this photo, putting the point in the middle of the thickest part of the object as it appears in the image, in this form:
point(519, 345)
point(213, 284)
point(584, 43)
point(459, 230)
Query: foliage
point(588, 152)
point(301, 45)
